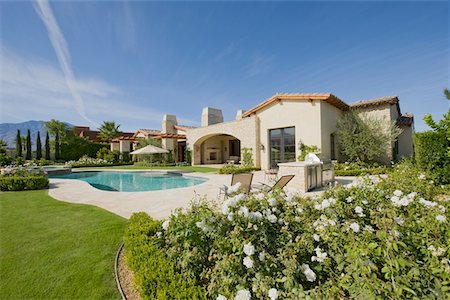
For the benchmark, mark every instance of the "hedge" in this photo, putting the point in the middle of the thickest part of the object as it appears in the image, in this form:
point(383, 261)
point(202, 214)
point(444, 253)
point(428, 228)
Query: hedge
point(432, 153)
point(18, 183)
point(80, 147)
point(233, 169)
point(155, 276)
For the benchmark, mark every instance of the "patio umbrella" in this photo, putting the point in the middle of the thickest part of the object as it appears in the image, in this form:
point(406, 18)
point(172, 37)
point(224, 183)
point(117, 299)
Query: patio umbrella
point(150, 149)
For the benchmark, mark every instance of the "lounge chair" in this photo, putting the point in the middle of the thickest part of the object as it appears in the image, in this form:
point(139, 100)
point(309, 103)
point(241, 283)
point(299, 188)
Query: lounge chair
point(280, 184)
point(245, 181)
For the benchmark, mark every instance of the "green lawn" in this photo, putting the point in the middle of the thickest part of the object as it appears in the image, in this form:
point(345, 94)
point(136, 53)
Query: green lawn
point(56, 250)
point(175, 168)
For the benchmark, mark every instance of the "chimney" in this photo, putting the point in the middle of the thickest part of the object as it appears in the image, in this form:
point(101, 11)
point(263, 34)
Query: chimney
point(239, 114)
point(168, 123)
point(211, 116)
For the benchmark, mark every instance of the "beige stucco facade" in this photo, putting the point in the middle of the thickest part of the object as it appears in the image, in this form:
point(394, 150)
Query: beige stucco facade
point(314, 117)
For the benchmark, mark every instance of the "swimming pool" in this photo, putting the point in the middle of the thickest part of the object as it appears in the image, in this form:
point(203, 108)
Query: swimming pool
point(133, 181)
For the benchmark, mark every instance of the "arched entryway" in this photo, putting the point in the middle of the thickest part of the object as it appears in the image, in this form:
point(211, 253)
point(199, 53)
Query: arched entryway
point(217, 149)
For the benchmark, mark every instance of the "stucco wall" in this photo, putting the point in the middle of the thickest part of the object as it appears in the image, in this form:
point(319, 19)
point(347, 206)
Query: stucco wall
point(245, 130)
point(304, 115)
point(329, 118)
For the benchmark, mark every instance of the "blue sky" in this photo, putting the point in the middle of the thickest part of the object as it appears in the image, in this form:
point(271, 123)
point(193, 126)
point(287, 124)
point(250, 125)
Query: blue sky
point(85, 62)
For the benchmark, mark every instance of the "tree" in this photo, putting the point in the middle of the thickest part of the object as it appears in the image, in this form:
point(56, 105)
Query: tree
point(47, 146)
point(57, 147)
point(28, 153)
point(18, 144)
point(23, 143)
point(443, 125)
point(54, 126)
point(109, 131)
point(38, 146)
point(363, 138)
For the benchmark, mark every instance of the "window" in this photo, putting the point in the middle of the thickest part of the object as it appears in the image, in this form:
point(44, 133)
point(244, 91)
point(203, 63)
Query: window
point(282, 145)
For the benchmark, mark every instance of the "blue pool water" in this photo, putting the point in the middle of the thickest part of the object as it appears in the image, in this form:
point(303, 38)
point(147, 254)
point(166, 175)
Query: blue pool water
point(133, 181)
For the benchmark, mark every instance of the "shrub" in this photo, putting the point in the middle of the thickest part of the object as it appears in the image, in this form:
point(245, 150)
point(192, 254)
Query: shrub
point(384, 237)
point(432, 154)
point(305, 150)
point(5, 160)
point(154, 274)
point(247, 158)
point(236, 169)
point(87, 161)
point(154, 164)
point(359, 168)
point(18, 183)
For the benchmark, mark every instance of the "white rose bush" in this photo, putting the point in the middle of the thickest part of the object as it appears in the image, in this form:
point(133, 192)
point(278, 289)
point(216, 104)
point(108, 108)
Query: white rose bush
point(382, 238)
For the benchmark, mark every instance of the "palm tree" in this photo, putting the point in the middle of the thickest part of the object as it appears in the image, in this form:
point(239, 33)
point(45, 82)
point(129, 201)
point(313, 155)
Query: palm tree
point(54, 126)
point(108, 131)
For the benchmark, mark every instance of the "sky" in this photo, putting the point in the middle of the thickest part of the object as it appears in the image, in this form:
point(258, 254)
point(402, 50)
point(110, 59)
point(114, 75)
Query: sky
point(85, 62)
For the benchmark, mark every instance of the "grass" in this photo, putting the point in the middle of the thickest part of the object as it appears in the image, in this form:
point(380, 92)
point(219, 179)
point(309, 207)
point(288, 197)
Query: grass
point(175, 168)
point(56, 250)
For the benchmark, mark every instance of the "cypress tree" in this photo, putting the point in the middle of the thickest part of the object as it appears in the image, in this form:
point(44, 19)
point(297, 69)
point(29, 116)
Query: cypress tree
point(57, 150)
point(47, 147)
point(28, 153)
point(18, 144)
point(38, 146)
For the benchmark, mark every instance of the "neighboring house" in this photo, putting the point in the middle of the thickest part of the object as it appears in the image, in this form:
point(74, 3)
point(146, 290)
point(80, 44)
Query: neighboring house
point(86, 133)
point(275, 130)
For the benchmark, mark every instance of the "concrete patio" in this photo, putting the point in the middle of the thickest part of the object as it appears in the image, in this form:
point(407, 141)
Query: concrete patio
point(158, 204)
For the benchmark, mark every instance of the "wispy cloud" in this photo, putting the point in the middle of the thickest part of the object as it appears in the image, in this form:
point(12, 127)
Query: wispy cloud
point(126, 29)
point(37, 90)
point(59, 44)
point(259, 64)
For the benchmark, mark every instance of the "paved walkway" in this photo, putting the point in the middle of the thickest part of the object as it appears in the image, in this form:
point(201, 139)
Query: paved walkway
point(158, 204)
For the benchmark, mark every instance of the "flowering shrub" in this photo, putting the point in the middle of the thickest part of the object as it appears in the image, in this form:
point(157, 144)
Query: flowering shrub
point(18, 178)
point(359, 168)
point(385, 237)
point(87, 161)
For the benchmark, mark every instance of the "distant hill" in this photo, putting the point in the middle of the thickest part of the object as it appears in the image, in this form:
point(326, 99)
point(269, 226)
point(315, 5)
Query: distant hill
point(8, 131)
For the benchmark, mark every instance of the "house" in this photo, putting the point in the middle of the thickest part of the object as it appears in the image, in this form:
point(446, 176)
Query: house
point(86, 133)
point(275, 129)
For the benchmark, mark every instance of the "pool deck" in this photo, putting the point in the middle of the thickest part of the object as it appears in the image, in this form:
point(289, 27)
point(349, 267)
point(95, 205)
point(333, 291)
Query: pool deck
point(158, 204)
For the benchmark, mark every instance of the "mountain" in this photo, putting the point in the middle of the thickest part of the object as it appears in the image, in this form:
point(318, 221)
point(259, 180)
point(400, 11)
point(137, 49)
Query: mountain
point(8, 132)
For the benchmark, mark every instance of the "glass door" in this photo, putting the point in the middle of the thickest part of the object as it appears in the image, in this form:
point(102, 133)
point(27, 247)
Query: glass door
point(282, 145)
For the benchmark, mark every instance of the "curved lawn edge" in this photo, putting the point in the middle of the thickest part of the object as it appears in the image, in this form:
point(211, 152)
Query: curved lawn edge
point(116, 273)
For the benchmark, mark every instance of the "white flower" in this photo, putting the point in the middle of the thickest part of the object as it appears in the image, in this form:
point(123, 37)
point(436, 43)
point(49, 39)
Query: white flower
point(398, 193)
point(320, 256)
point(399, 221)
point(404, 201)
point(316, 237)
point(203, 226)
point(310, 275)
point(441, 218)
point(325, 204)
point(259, 196)
point(234, 188)
point(165, 225)
point(159, 234)
point(273, 201)
point(221, 297)
point(364, 202)
point(262, 256)
point(248, 262)
point(255, 215)
point(355, 227)
point(349, 199)
point(230, 216)
point(243, 211)
point(249, 249)
point(369, 228)
point(442, 208)
point(290, 197)
point(422, 176)
point(358, 210)
point(427, 203)
point(436, 252)
point(272, 218)
point(397, 233)
point(243, 295)
point(273, 294)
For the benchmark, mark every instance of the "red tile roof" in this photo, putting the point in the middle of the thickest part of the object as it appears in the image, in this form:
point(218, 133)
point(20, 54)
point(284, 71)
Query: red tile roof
point(326, 97)
point(170, 136)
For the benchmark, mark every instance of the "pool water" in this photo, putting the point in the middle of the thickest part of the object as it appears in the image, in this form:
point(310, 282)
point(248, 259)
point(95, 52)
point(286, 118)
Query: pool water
point(133, 181)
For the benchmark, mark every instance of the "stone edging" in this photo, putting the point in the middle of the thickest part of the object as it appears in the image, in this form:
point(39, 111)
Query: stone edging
point(116, 274)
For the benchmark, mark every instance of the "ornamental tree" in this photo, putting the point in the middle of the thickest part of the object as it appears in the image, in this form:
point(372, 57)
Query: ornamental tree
point(28, 153)
point(38, 146)
point(365, 138)
point(18, 144)
point(47, 146)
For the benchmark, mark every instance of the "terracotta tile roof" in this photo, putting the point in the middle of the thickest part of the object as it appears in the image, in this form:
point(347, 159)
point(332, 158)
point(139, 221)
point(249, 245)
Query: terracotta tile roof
point(407, 119)
point(150, 131)
point(183, 127)
point(170, 136)
point(326, 97)
point(375, 102)
point(124, 138)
